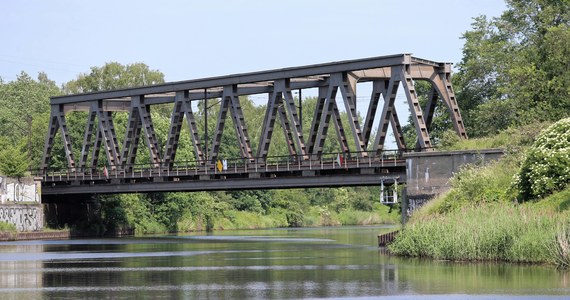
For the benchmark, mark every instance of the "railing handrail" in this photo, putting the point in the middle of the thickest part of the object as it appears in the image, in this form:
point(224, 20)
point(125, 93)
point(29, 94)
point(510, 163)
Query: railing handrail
point(231, 165)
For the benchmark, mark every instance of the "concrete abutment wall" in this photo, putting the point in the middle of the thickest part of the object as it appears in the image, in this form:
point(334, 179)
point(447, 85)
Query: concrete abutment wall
point(428, 173)
point(20, 203)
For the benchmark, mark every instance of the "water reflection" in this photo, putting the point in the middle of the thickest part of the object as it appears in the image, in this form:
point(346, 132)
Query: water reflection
point(304, 263)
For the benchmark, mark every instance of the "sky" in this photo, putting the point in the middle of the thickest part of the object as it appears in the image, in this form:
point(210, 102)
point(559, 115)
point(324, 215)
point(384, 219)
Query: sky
point(195, 39)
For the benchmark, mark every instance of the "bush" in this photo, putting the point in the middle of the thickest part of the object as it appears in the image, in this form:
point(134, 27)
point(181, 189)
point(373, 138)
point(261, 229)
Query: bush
point(546, 167)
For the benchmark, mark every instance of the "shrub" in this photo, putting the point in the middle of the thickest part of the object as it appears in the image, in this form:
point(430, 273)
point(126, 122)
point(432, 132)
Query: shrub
point(546, 166)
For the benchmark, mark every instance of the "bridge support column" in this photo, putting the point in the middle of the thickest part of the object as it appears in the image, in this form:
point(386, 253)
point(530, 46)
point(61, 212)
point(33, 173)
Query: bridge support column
point(404, 205)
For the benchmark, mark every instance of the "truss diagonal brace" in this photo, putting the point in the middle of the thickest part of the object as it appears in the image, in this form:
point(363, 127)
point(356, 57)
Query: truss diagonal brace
point(143, 114)
point(182, 107)
point(87, 139)
point(327, 96)
point(57, 121)
point(230, 92)
point(347, 85)
point(442, 84)
point(415, 108)
point(387, 112)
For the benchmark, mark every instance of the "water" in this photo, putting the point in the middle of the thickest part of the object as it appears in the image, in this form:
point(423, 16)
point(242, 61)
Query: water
point(338, 262)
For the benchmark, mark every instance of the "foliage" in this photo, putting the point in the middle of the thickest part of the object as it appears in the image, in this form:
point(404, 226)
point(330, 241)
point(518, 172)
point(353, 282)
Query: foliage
point(514, 67)
point(546, 167)
point(440, 123)
point(25, 112)
point(475, 184)
point(181, 212)
point(14, 162)
point(114, 75)
point(494, 231)
point(7, 227)
point(513, 139)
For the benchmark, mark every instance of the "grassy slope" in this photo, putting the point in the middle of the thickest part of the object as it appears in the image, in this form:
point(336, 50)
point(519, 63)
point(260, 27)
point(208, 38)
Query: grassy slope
point(479, 219)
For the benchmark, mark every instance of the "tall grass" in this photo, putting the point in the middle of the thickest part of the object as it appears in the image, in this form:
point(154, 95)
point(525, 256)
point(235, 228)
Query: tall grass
point(494, 231)
point(559, 251)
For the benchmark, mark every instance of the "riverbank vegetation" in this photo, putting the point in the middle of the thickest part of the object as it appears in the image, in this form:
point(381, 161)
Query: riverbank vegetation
point(7, 227)
point(493, 213)
point(183, 212)
point(513, 87)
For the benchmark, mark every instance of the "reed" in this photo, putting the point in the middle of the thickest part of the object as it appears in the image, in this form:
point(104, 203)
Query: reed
point(492, 232)
point(559, 250)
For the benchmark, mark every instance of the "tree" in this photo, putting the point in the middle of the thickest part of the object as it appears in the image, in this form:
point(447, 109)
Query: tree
point(13, 161)
point(114, 75)
point(24, 113)
point(516, 66)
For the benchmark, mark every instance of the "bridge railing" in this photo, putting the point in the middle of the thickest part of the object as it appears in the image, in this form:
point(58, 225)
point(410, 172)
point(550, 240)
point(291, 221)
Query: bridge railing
point(325, 161)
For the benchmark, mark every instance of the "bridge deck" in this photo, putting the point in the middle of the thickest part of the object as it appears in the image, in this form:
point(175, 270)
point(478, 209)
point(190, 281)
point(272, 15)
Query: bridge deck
point(237, 176)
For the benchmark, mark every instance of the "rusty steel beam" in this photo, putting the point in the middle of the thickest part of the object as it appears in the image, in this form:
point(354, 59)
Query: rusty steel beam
point(386, 73)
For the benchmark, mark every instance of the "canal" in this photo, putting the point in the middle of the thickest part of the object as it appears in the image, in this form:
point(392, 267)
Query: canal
point(332, 262)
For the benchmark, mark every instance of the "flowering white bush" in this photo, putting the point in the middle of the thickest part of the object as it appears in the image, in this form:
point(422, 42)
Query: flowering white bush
point(546, 167)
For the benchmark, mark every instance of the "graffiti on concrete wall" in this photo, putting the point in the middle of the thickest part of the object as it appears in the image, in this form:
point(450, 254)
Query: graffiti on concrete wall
point(25, 217)
point(414, 204)
point(19, 190)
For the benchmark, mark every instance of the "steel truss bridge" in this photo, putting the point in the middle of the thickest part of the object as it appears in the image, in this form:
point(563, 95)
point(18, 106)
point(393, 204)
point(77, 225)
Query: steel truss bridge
point(360, 160)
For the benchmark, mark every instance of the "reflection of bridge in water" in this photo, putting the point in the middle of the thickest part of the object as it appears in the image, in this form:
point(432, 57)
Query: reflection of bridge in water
point(360, 158)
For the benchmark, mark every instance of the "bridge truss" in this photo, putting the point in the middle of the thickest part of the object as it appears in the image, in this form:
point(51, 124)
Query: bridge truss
point(336, 83)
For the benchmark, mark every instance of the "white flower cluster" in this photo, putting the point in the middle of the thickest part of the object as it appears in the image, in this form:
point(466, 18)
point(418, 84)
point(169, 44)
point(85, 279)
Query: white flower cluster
point(546, 167)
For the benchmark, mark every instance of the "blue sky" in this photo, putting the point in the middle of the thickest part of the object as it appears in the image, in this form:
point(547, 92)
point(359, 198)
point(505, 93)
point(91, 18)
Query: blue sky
point(194, 39)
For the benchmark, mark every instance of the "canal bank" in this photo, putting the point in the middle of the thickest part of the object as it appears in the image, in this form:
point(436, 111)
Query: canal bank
point(36, 235)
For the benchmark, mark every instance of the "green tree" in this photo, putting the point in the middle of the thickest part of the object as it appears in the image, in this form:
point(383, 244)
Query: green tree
point(25, 111)
point(114, 75)
point(13, 161)
point(514, 68)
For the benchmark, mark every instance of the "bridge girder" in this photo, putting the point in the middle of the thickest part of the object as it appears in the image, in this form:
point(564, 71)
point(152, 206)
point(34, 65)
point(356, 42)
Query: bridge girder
point(333, 80)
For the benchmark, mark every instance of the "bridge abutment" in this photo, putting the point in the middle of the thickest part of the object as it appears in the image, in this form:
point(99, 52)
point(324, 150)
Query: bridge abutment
point(428, 173)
